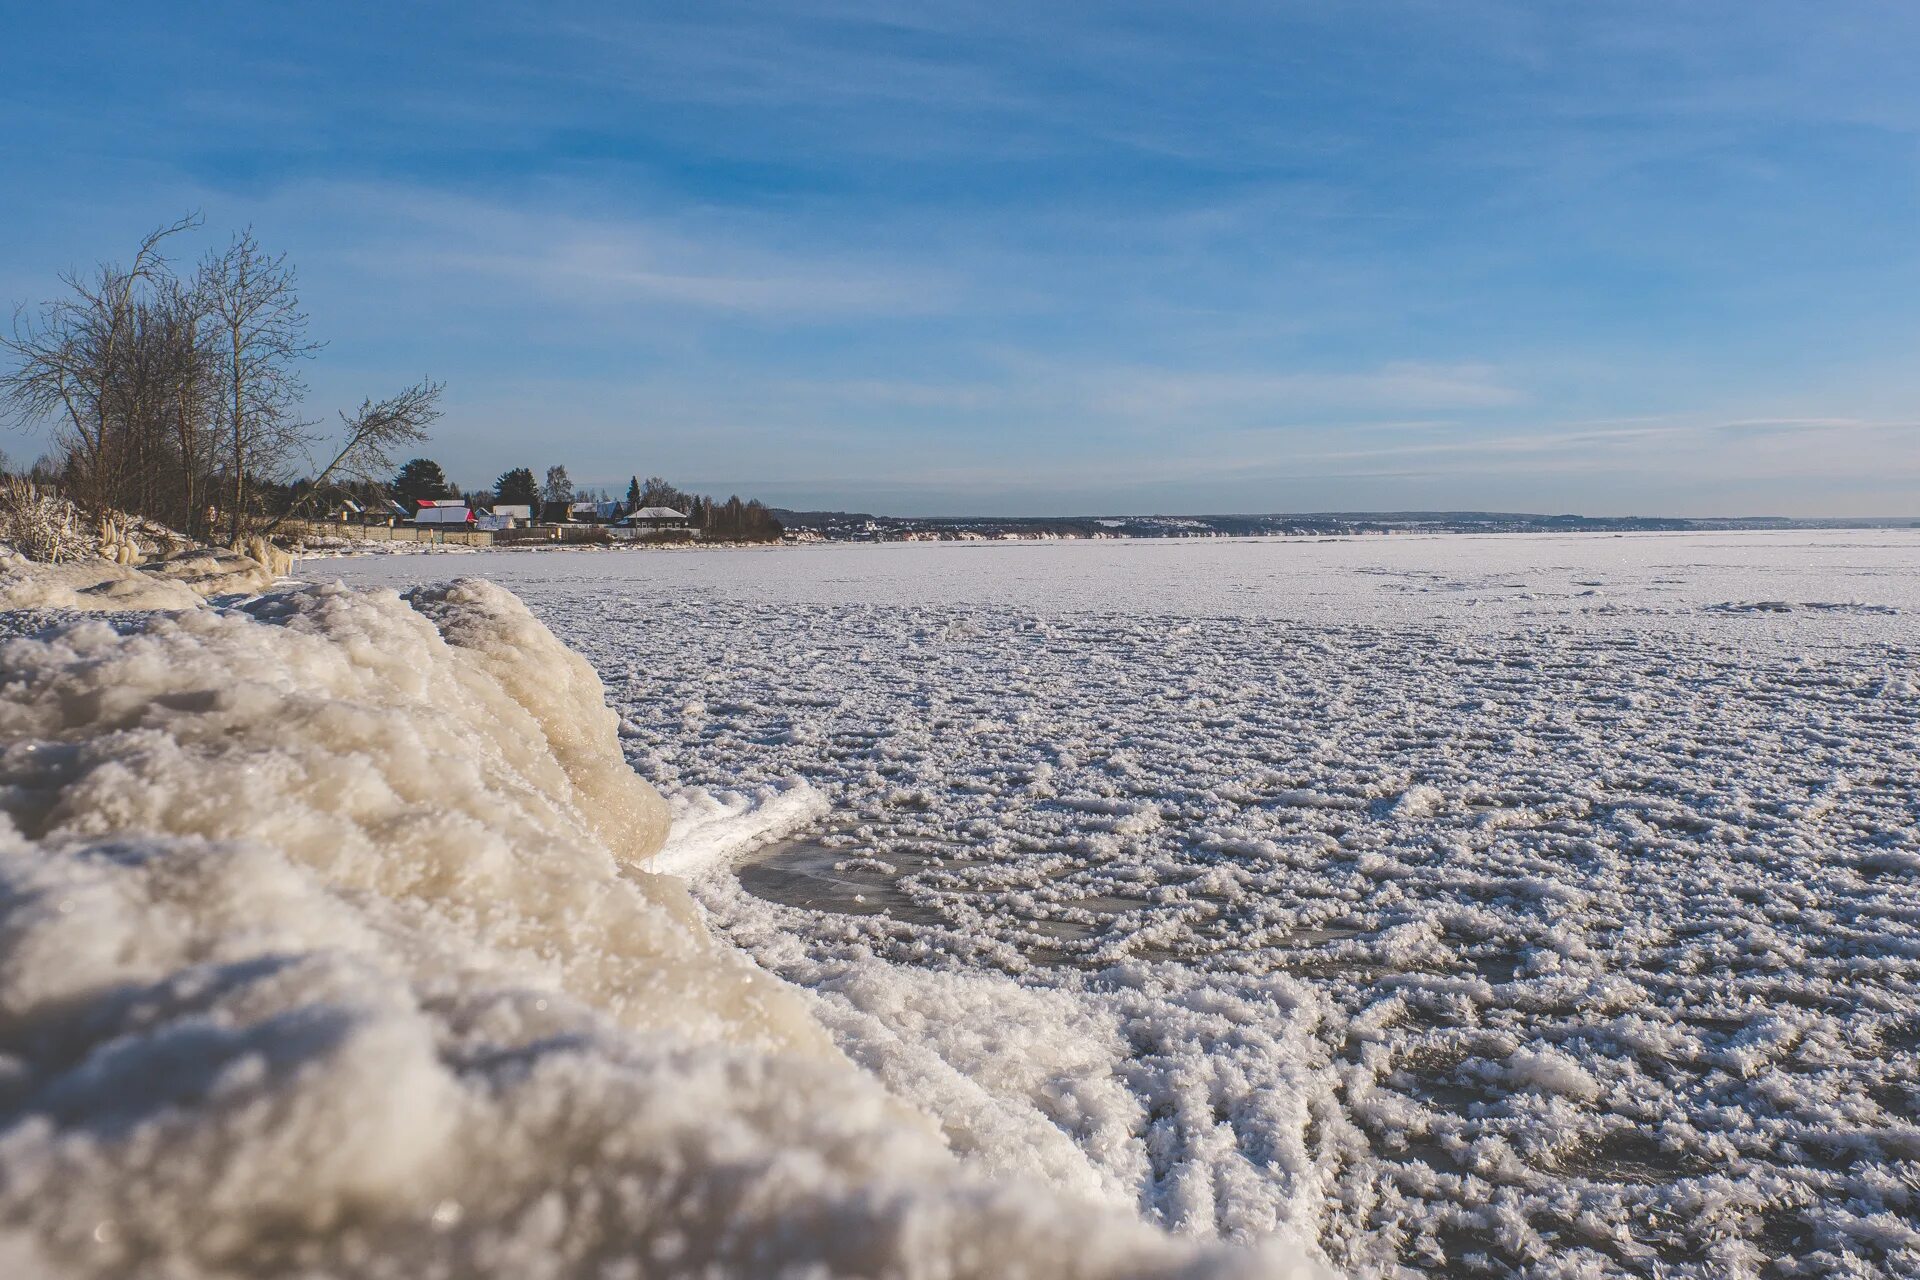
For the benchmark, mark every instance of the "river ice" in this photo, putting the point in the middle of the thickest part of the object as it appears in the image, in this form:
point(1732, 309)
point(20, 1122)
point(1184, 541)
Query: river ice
point(1511, 905)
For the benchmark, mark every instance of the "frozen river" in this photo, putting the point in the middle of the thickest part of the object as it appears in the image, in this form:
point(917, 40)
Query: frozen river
point(1471, 905)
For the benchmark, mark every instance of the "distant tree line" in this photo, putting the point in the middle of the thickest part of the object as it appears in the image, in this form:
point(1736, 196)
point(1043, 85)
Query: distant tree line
point(732, 520)
point(177, 396)
point(735, 520)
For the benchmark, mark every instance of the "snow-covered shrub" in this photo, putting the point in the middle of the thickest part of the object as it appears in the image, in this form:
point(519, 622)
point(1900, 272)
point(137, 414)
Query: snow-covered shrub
point(42, 525)
point(46, 526)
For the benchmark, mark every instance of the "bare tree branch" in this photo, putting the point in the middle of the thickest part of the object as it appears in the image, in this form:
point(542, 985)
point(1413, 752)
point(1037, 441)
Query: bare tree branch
point(373, 433)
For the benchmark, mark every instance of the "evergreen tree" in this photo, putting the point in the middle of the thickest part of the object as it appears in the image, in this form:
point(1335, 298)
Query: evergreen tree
point(420, 478)
point(516, 488)
point(633, 494)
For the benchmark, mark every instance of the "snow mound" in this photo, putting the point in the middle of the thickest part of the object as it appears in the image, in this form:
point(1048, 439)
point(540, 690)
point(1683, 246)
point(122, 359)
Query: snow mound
point(89, 586)
point(212, 571)
point(326, 949)
point(181, 581)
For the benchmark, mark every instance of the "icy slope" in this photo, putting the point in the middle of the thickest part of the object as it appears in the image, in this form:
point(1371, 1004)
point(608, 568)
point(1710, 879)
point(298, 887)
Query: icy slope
point(324, 948)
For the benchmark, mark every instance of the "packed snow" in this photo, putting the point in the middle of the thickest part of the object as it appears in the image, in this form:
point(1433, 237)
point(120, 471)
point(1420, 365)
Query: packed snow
point(1530, 905)
point(328, 946)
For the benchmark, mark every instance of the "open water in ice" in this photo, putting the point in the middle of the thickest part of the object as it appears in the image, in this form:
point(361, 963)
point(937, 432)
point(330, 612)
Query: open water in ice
point(1509, 905)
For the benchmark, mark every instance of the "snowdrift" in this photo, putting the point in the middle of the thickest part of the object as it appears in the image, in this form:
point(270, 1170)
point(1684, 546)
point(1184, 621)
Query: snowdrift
point(179, 581)
point(327, 946)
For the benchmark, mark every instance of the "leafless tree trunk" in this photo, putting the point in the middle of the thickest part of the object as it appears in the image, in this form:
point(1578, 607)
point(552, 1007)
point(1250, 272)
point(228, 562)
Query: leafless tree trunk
point(255, 308)
point(191, 374)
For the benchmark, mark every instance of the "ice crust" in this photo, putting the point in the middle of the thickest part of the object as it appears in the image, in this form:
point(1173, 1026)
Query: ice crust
point(328, 947)
point(1470, 906)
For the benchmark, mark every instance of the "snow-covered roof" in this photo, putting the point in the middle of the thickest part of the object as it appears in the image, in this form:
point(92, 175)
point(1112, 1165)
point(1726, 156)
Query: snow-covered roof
point(657, 513)
point(443, 515)
point(517, 510)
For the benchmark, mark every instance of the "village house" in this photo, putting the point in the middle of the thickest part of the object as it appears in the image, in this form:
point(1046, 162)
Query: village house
point(444, 512)
point(454, 513)
point(383, 513)
point(653, 519)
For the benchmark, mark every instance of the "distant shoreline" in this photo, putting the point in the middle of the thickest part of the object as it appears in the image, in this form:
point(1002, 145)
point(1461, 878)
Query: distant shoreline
point(857, 527)
point(378, 550)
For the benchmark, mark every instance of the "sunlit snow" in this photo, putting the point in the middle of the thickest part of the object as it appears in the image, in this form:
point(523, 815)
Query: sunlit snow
point(325, 950)
point(1537, 905)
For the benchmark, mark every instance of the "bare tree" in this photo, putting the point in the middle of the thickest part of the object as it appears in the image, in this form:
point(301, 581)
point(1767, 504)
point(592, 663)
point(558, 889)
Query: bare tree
point(372, 433)
point(170, 394)
point(72, 365)
point(192, 369)
point(161, 392)
point(262, 335)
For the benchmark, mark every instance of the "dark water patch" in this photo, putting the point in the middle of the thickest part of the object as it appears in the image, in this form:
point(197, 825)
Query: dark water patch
point(1784, 1235)
point(811, 876)
point(1634, 1156)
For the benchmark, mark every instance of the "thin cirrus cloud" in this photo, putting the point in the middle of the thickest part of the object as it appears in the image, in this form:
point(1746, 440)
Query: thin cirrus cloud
point(592, 263)
point(1399, 385)
point(1165, 396)
point(598, 270)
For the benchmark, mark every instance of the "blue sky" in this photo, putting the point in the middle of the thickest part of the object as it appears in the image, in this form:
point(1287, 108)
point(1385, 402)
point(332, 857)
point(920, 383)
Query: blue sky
point(1008, 258)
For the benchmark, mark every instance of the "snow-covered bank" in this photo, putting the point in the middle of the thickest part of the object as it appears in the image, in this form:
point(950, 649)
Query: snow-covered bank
point(326, 947)
point(180, 581)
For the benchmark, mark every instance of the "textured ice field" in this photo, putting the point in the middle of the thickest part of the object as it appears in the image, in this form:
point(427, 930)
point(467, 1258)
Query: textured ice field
point(1510, 905)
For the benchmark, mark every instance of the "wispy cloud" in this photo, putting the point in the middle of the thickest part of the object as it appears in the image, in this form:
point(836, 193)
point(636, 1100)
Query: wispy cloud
point(602, 266)
point(898, 393)
point(597, 262)
point(1399, 385)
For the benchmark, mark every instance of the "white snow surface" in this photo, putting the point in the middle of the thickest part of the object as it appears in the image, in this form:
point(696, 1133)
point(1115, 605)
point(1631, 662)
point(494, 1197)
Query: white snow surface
point(1540, 906)
point(327, 948)
point(180, 581)
point(711, 831)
